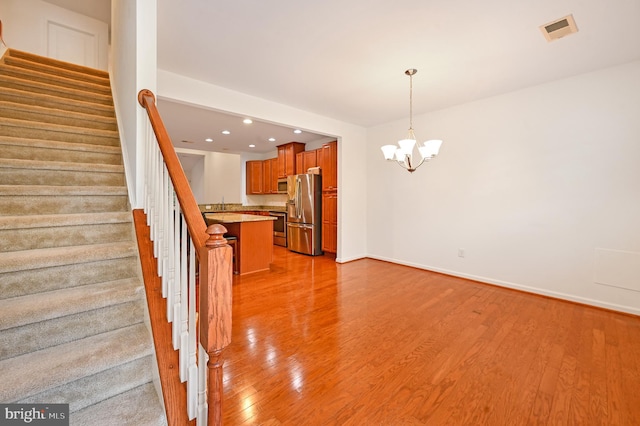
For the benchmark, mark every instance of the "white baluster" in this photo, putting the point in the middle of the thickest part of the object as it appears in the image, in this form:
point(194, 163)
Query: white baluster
point(168, 250)
point(184, 307)
point(146, 146)
point(162, 228)
point(154, 199)
point(192, 382)
point(203, 406)
point(177, 282)
point(157, 207)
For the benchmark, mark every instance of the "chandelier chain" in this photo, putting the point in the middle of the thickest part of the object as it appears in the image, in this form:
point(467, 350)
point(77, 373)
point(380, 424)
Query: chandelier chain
point(410, 101)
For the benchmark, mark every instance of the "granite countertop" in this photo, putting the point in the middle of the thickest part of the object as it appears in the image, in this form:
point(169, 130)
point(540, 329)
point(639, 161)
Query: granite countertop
point(230, 208)
point(236, 217)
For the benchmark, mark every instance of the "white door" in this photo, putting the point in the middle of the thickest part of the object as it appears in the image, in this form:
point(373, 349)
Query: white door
point(72, 45)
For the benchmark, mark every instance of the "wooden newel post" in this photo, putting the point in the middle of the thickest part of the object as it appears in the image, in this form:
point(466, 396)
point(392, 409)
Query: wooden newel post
point(215, 312)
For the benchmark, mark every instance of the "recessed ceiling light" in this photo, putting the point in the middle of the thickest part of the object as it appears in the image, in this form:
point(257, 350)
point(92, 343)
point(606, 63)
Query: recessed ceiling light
point(252, 146)
point(226, 132)
point(297, 131)
point(208, 140)
point(272, 139)
point(247, 121)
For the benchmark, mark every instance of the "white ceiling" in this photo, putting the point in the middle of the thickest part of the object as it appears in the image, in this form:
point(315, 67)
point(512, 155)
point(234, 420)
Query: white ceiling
point(346, 59)
point(189, 126)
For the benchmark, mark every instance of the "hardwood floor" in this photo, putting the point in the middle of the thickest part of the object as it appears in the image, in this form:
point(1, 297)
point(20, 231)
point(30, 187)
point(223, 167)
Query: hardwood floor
point(372, 343)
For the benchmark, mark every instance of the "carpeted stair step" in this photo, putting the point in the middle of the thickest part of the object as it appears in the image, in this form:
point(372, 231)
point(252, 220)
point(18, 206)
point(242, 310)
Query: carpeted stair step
point(13, 261)
point(86, 392)
point(15, 62)
point(139, 406)
point(58, 66)
point(54, 90)
point(62, 365)
point(96, 265)
point(37, 75)
point(40, 270)
point(37, 172)
point(40, 149)
point(20, 340)
point(57, 132)
point(46, 199)
point(49, 101)
point(27, 232)
point(72, 313)
point(29, 112)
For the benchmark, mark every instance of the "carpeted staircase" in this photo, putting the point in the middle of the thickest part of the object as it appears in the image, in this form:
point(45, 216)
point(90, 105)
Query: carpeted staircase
point(72, 304)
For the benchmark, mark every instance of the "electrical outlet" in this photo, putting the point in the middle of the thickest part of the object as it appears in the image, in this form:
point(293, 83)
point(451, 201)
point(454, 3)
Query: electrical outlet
point(208, 207)
point(460, 252)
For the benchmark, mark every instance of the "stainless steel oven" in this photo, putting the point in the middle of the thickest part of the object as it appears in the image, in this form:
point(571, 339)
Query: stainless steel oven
point(279, 228)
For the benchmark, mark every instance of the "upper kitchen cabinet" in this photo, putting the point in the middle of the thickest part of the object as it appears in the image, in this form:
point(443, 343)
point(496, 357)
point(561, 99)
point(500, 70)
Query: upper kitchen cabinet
point(304, 160)
point(273, 181)
point(287, 158)
point(254, 177)
point(328, 162)
point(266, 177)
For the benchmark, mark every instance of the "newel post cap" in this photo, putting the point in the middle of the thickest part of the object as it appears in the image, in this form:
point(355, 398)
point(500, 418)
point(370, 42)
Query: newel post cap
point(216, 236)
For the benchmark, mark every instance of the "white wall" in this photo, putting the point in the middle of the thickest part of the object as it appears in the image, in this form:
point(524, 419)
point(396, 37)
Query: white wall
point(133, 68)
point(26, 25)
point(220, 177)
point(529, 184)
point(352, 211)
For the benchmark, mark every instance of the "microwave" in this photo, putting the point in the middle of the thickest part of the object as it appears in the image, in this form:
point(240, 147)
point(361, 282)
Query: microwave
point(282, 186)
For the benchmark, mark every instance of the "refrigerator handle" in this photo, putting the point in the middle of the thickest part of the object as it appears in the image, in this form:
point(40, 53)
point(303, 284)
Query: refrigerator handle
point(299, 197)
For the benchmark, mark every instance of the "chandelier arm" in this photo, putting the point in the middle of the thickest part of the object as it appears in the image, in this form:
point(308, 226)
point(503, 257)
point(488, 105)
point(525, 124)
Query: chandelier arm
point(419, 164)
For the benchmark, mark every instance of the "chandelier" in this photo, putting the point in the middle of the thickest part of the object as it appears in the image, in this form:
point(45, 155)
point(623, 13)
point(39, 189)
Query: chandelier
point(403, 153)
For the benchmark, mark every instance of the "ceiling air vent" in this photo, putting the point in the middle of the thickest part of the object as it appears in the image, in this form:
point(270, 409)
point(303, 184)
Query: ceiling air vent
point(559, 28)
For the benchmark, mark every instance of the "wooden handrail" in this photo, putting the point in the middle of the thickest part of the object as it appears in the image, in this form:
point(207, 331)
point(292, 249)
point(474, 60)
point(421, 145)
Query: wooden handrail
point(195, 222)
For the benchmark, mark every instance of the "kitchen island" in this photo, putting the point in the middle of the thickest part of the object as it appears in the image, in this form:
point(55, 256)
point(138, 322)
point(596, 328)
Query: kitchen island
point(255, 238)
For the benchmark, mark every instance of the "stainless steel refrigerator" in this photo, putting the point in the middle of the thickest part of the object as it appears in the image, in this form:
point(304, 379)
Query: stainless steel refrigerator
point(304, 213)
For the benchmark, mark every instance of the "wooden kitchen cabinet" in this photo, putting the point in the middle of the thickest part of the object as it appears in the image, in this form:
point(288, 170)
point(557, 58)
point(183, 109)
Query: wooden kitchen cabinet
point(254, 177)
point(305, 160)
point(300, 163)
point(330, 222)
point(329, 166)
point(319, 157)
point(287, 158)
point(266, 177)
point(327, 160)
point(273, 178)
